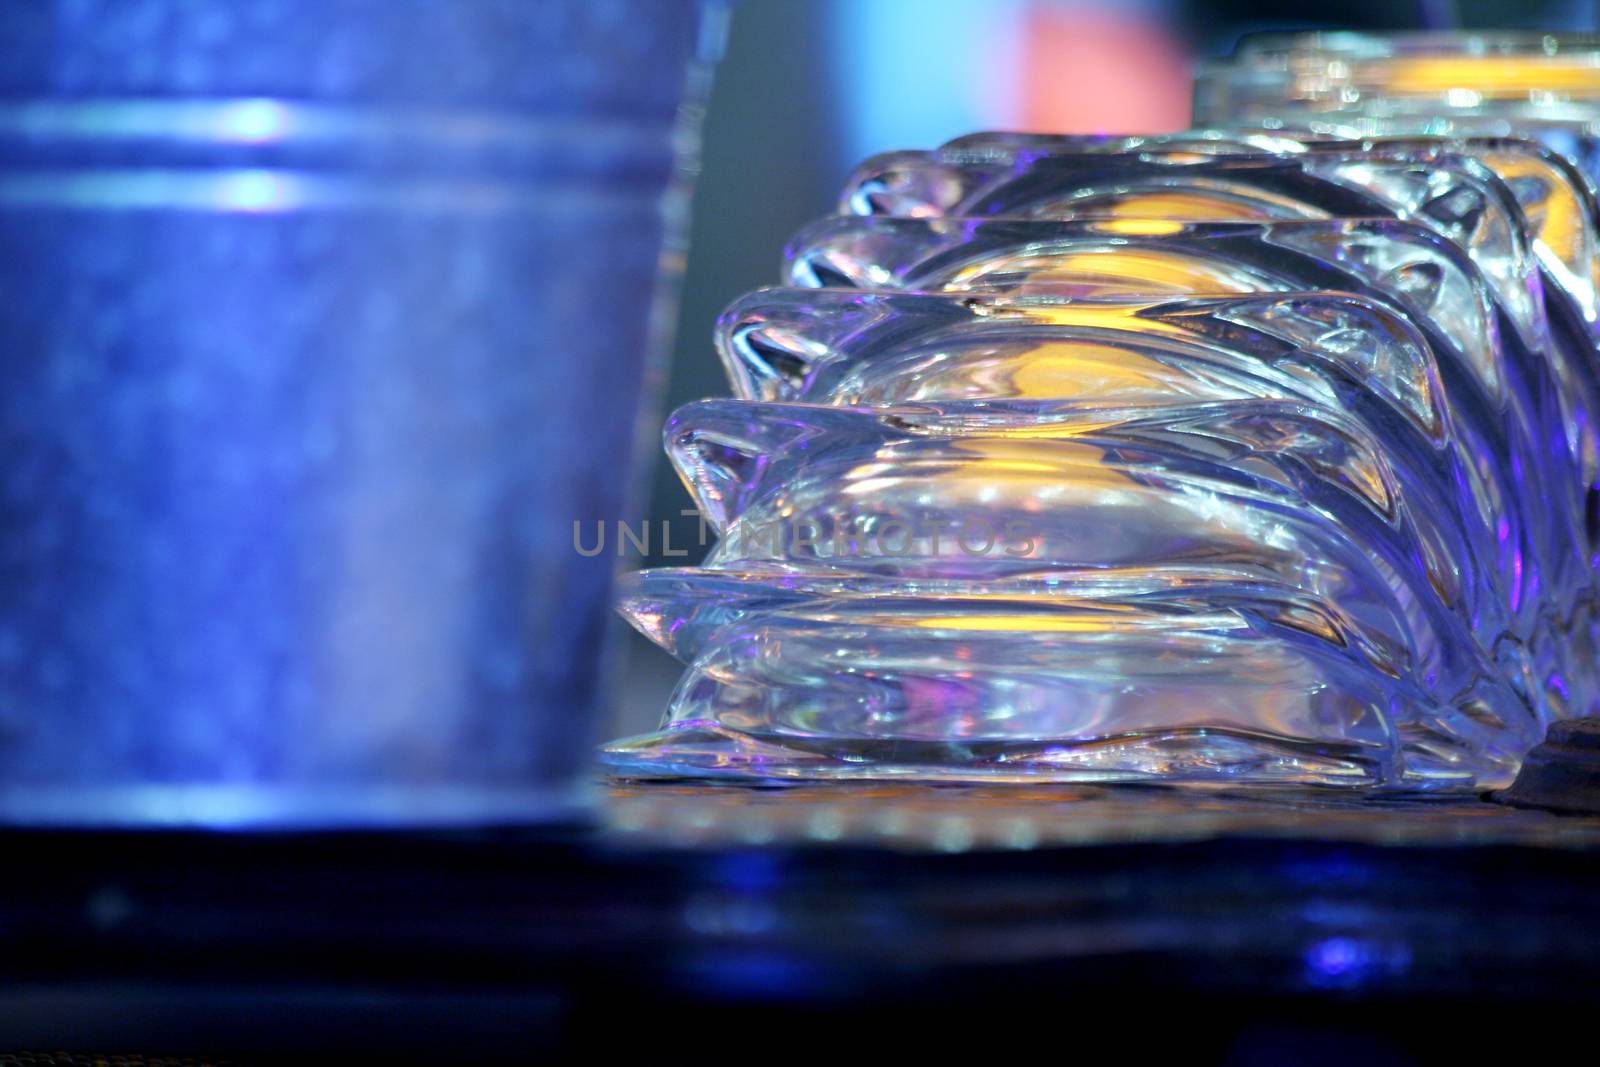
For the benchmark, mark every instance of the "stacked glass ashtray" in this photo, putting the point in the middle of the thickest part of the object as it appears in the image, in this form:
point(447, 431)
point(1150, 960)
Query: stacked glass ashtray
point(1257, 455)
point(1527, 84)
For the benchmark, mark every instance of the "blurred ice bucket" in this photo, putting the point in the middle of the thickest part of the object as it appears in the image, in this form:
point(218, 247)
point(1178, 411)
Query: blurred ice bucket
point(320, 324)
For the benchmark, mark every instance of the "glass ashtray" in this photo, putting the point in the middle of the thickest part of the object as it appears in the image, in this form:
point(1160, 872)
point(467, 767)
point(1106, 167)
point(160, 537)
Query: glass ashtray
point(1242, 455)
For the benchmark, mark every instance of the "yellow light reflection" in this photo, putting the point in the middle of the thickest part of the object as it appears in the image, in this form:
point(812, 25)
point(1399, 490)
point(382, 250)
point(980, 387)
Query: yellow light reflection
point(1492, 77)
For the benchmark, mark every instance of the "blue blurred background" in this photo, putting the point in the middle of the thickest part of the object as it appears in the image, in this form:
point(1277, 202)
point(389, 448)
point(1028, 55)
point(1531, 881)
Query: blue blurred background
point(810, 87)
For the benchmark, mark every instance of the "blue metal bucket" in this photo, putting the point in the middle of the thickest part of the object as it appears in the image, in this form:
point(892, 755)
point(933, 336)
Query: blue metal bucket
point(320, 325)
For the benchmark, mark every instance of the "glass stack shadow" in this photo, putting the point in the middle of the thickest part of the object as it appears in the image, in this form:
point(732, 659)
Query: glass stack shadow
point(1234, 457)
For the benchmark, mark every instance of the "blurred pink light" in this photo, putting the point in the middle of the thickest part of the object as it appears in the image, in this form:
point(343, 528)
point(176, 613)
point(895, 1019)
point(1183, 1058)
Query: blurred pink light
point(1089, 70)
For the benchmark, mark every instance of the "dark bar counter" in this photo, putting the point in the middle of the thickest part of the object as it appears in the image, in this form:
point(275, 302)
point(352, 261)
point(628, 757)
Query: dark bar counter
point(1207, 926)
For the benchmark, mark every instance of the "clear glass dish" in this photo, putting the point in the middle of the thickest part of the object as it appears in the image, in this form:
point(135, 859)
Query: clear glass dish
point(1498, 83)
point(1250, 455)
